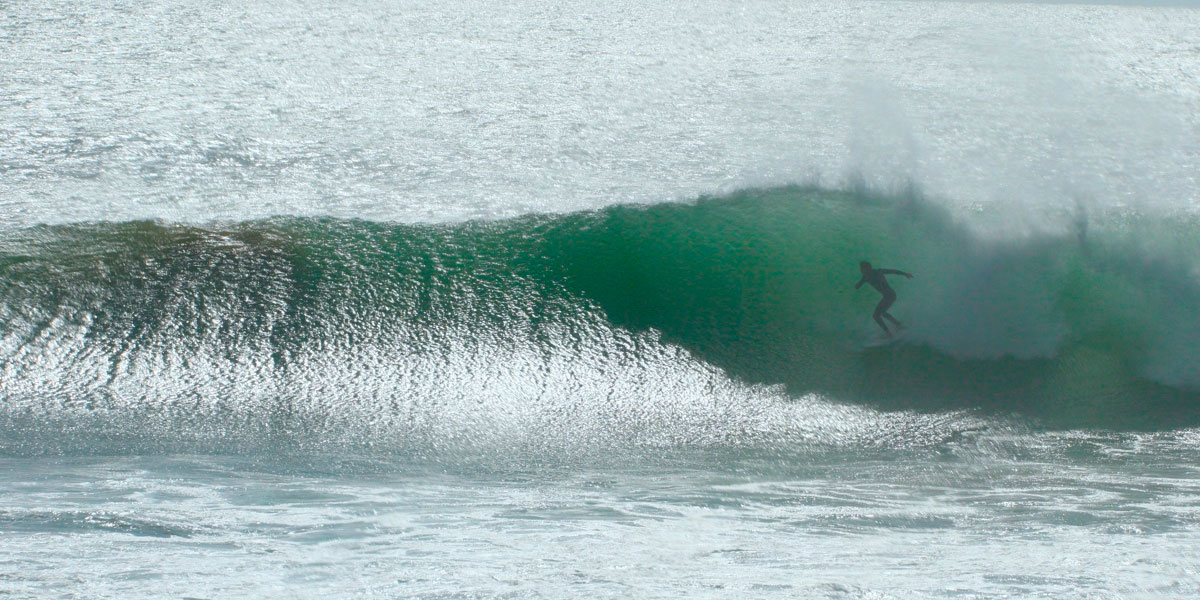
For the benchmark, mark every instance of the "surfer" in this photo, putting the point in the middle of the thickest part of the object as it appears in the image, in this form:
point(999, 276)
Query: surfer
point(876, 278)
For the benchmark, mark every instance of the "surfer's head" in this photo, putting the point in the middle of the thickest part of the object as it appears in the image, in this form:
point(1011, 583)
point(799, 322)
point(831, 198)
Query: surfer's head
point(865, 267)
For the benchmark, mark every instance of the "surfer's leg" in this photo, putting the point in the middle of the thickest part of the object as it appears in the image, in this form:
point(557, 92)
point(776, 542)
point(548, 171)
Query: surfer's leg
point(881, 312)
point(881, 323)
point(894, 321)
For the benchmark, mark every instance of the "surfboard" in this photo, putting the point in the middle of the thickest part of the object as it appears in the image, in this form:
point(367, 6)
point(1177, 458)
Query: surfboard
point(883, 340)
point(879, 341)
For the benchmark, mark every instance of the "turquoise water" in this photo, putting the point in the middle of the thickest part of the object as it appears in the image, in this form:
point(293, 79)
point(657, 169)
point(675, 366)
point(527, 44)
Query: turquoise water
point(676, 398)
point(530, 300)
point(1086, 328)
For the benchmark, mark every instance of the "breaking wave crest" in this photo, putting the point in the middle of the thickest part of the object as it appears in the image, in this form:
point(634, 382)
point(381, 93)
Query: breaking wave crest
point(671, 323)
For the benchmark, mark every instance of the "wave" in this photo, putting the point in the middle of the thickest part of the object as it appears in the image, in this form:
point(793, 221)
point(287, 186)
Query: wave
point(281, 321)
point(1096, 323)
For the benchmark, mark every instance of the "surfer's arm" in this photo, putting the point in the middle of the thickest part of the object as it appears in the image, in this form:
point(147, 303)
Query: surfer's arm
point(895, 272)
point(860, 282)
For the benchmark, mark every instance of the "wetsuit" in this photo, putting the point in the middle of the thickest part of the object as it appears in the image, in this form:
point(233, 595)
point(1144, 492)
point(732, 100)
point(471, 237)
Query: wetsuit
point(879, 282)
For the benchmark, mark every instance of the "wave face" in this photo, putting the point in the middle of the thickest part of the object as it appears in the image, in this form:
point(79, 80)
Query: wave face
point(1095, 325)
point(255, 331)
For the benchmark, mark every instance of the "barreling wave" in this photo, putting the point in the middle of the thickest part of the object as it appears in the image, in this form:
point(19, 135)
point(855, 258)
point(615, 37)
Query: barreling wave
point(269, 326)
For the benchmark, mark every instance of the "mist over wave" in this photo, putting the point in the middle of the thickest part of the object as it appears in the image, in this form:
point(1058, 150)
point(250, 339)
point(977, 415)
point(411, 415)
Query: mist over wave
point(428, 112)
point(705, 322)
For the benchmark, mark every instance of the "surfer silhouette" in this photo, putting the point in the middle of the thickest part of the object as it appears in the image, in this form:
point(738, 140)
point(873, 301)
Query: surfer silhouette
point(877, 279)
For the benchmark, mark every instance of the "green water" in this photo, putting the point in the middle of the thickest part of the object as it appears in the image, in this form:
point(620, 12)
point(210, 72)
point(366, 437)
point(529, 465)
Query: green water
point(1092, 325)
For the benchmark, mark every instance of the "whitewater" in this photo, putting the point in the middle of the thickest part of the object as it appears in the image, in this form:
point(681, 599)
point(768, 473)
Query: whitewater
point(556, 300)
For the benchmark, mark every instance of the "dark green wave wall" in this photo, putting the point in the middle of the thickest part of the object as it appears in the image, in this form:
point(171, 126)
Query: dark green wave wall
point(1096, 325)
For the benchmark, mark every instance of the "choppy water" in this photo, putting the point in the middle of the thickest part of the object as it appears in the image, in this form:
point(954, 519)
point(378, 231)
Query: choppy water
point(983, 515)
point(556, 300)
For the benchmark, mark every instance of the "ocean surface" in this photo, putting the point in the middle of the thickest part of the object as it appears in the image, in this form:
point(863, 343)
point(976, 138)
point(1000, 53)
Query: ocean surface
point(556, 300)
